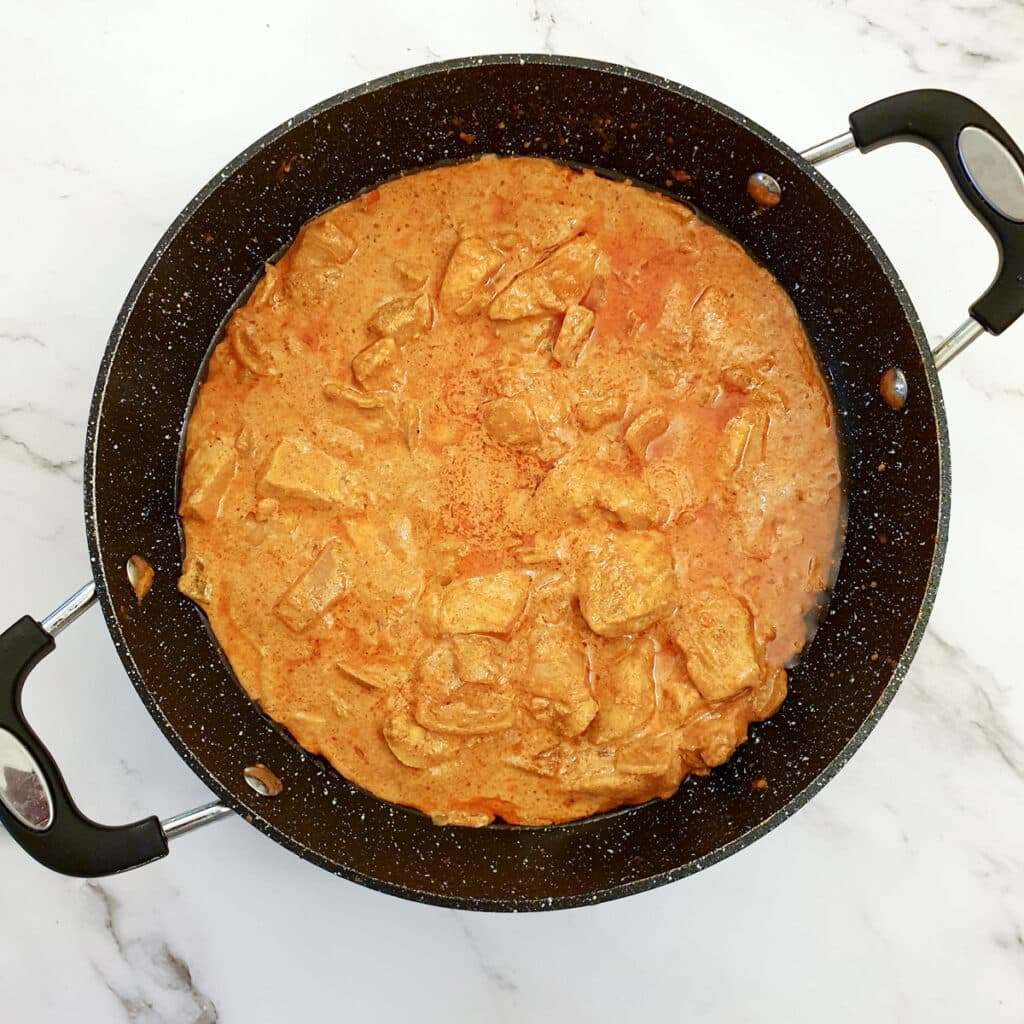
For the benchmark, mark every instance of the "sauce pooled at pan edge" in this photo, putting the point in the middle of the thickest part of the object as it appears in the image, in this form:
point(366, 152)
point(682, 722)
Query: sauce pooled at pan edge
point(510, 491)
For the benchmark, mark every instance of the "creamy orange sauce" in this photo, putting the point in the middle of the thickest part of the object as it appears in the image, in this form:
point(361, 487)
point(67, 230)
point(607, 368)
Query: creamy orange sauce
point(509, 491)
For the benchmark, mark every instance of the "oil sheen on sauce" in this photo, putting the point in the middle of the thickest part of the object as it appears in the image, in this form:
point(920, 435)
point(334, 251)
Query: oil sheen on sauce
point(509, 492)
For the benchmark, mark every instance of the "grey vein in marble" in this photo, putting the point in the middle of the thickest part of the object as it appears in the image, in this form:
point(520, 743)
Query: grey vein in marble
point(998, 391)
point(70, 468)
point(17, 339)
point(27, 432)
point(504, 987)
point(973, 714)
point(871, 27)
point(541, 15)
point(154, 984)
point(28, 409)
point(910, 866)
point(957, 38)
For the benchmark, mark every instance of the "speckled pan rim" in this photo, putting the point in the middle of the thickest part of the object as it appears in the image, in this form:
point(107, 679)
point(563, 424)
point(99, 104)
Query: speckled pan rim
point(251, 811)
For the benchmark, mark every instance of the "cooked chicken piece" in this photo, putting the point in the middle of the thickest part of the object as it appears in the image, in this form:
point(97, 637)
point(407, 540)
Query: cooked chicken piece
point(209, 468)
point(530, 334)
point(360, 564)
point(745, 440)
point(649, 755)
point(413, 745)
point(298, 472)
point(379, 364)
point(378, 573)
point(534, 414)
point(334, 436)
point(628, 498)
point(599, 400)
point(462, 817)
point(745, 527)
point(477, 658)
point(445, 703)
point(553, 595)
point(533, 555)
point(742, 378)
point(410, 275)
point(715, 734)
point(768, 697)
point(553, 285)
point(511, 421)
point(267, 509)
point(624, 683)
point(573, 335)
point(318, 587)
point(403, 318)
point(665, 369)
point(542, 754)
point(471, 269)
point(674, 485)
point(595, 412)
point(651, 423)
point(577, 488)
point(558, 677)
point(410, 422)
point(679, 699)
point(677, 310)
point(376, 406)
point(715, 632)
point(522, 373)
point(484, 604)
point(711, 317)
point(378, 676)
point(195, 580)
point(268, 292)
point(627, 584)
point(593, 771)
point(321, 243)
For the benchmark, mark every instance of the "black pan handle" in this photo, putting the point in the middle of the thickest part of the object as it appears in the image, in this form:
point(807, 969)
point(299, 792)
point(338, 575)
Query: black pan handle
point(986, 167)
point(35, 806)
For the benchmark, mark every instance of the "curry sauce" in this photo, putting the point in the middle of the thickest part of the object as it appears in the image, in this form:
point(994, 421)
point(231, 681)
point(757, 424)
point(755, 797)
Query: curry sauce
point(510, 491)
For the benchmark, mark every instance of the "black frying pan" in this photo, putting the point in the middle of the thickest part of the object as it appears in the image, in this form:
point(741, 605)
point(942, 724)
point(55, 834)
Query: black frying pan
point(853, 306)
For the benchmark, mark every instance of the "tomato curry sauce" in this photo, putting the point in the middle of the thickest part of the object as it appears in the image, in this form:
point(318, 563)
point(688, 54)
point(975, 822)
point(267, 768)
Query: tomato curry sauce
point(511, 491)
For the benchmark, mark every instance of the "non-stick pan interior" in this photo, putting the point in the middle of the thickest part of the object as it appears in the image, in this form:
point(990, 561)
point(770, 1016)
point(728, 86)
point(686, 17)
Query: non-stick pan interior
point(851, 303)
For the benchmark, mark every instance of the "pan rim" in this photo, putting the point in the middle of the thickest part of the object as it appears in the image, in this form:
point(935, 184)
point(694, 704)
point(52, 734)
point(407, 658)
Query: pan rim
point(252, 811)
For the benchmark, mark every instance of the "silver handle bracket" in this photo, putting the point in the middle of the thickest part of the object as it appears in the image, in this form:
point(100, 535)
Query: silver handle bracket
point(189, 821)
point(830, 148)
point(62, 616)
point(949, 348)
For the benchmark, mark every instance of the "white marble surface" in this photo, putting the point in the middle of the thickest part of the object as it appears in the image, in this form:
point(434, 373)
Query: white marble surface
point(896, 895)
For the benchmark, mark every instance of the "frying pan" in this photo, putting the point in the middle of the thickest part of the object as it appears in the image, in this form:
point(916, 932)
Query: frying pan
point(625, 123)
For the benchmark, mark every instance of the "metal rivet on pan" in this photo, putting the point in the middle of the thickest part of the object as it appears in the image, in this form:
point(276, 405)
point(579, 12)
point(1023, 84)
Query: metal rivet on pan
point(764, 189)
point(263, 780)
point(140, 576)
point(893, 388)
